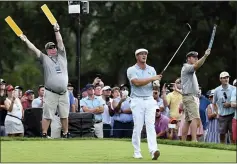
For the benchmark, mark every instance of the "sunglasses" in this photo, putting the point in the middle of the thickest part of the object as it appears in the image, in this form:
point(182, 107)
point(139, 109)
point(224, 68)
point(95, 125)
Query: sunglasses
point(155, 93)
point(157, 110)
point(52, 47)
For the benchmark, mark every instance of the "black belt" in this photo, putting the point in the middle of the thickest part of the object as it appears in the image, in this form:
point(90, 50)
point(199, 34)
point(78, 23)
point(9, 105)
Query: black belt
point(55, 92)
point(96, 122)
point(190, 94)
point(124, 122)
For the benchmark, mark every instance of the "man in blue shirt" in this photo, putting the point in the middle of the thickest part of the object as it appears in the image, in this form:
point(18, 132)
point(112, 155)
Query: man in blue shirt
point(143, 105)
point(95, 105)
point(222, 106)
point(204, 102)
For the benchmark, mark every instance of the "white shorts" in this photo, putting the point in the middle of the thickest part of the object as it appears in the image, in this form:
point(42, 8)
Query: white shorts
point(54, 102)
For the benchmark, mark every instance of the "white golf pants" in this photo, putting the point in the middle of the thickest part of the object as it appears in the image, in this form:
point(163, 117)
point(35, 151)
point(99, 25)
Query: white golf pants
point(144, 110)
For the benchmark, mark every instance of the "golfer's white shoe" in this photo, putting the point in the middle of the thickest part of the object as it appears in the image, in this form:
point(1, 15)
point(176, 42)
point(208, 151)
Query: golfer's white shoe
point(137, 156)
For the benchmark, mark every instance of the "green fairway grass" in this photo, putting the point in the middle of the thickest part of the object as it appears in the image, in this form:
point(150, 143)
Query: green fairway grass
point(104, 151)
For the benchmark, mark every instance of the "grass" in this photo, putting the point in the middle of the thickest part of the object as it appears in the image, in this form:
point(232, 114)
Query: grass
point(104, 151)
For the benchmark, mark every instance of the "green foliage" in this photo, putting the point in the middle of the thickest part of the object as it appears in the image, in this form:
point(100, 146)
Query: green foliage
point(112, 32)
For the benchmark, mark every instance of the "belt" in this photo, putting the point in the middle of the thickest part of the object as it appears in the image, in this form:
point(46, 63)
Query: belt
point(190, 94)
point(96, 122)
point(54, 91)
point(124, 122)
point(144, 98)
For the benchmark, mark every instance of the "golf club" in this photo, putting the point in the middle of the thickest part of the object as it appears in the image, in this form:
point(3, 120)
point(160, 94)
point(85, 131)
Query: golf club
point(190, 29)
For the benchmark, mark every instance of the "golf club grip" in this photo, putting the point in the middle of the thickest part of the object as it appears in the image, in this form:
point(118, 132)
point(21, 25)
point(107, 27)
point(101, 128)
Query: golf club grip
point(212, 37)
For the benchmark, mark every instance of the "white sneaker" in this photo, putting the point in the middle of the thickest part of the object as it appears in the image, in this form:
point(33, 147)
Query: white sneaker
point(137, 156)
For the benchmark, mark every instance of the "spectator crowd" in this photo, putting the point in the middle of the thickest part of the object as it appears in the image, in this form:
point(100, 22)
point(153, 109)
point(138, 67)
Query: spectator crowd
point(113, 115)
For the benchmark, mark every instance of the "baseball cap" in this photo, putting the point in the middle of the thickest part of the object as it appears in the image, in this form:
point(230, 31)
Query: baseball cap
point(2, 81)
point(47, 45)
point(18, 87)
point(83, 90)
point(106, 88)
point(141, 50)
point(29, 92)
point(234, 82)
point(9, 88)
point(88, 86)
point(224, 74)
point(212, 93)
point(192, 53)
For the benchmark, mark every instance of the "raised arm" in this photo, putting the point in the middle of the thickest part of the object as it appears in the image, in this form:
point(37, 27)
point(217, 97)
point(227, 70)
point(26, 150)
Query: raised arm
point(30, 45)
point(59, 38)
point(201, 61)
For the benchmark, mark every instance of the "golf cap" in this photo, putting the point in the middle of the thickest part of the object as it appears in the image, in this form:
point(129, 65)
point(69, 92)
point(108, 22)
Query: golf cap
point(49, 44)
point(88, 86)
point(18, 87)
point(234, 82)
point(224, 74)
point(106, 88)
point(141, 50)
point(83, 90)
point(192, 53)
point(28, 92)
point(212, 93)
point(2, 81)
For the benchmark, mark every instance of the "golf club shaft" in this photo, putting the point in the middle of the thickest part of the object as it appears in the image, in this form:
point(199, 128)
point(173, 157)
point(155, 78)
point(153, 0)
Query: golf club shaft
point(212, 37)
point(175, 52)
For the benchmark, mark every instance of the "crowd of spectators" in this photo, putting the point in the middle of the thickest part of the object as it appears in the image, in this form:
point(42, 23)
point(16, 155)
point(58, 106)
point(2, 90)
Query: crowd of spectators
point(114, 118)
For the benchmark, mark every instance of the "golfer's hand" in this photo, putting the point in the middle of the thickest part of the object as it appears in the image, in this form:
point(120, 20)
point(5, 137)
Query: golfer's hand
point(207, 52)
point(56, 27)
point(157, 77)
point(23, 38)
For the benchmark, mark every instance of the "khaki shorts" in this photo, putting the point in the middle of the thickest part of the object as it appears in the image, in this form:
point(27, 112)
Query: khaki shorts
point(191, 107)
point(54, 102)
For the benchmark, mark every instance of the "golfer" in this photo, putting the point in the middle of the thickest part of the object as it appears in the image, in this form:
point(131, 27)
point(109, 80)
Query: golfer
point(56, 79)
point(142, 104)
point(190, 89)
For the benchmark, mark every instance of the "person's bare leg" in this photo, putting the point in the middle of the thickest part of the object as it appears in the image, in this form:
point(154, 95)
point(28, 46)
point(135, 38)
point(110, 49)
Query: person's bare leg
point(193, 128)
point(45, 125)
point(64, 122)
point(185, 130)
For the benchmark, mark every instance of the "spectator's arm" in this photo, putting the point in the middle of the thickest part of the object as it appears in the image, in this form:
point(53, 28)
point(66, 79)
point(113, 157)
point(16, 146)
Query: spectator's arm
point(233, 99)
point(88, 110)
point(31, 46)
point(99, 110)
point(127, 111)
point(59, 38)
point(9, 106)
point(210, 115)
point(111, 111)
point(76, 104)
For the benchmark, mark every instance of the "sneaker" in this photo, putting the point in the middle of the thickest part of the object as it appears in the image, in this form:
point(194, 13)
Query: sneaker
point(44, 135)
point(155, 155)
point(137, 156)
point(67, 135)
